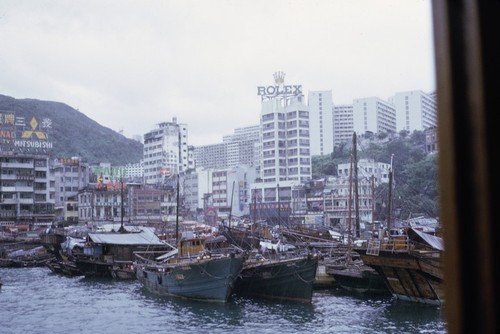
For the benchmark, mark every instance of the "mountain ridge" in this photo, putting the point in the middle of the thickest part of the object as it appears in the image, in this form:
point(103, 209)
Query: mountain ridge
point(75, 134)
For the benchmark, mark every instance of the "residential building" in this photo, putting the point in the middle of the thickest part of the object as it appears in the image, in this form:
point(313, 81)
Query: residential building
point(372, 114)
point(193, 200)
point(211, 156)
point(27, 194)
point(415, 110)
point(367, 168)
point(146, 204)
point(286, 147)
point(431, 139)
point(243, 146)
point(321, 122)
point(165, 152)
point(230, 194)
point(285, 136)
point(218, 193)
point(134, 171)
point(338, 203)
point(240, 148)
point(70, 175)
point(343, 123)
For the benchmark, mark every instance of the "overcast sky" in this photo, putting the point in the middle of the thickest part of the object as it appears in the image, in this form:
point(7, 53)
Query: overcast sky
point(130, 65)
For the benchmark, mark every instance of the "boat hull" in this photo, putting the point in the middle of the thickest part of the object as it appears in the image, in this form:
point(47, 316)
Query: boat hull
point(323, 280)
point(359, 279)
point(205, 279)
point(64, 267)
point(408, 276)
point(93, 268)
point(287, 280)
point(123, 271)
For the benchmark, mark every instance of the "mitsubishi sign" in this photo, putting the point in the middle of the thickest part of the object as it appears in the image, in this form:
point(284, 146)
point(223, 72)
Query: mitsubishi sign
point(22, 134)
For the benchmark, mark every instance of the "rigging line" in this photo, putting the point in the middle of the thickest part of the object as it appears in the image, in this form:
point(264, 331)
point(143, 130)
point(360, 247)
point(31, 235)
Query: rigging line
point(213, 276)
point(302, 279)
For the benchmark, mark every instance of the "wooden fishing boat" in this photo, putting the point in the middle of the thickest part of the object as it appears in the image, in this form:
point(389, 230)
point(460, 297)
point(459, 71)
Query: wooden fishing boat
point(285, 276)
point(111, 254)
point(355, 276)
point(350, 272)
point(191, 271)
point(410, 264)
point(62, 244)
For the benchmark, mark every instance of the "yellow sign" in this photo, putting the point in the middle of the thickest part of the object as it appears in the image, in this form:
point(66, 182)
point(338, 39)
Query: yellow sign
point(29, 133)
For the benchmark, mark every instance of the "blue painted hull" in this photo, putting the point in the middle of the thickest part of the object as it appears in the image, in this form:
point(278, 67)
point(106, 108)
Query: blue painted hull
point(205, 279)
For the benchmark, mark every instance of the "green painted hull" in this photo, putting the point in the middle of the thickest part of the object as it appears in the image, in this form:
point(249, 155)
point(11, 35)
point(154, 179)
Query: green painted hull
point(290, 279)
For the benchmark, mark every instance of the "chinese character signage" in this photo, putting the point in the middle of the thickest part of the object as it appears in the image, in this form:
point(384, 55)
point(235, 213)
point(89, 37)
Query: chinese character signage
point(22, 134)
point(105, 175)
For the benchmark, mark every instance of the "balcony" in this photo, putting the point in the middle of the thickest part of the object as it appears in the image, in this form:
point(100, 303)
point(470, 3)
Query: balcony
point(25, 177)
point(28, 165)
point(25, 201)
point(9, 201)
point(7, 213)
point(23, 189)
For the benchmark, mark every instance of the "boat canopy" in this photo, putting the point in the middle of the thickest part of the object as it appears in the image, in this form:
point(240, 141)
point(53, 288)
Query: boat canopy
point(145, 236)
point(168, 255)
point(71, 242)
point(429, 239)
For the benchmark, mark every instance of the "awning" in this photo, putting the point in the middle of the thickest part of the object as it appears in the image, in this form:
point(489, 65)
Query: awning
point(429, 239)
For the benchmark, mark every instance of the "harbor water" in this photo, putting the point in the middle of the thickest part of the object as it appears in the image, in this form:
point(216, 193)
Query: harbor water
point(34, 300)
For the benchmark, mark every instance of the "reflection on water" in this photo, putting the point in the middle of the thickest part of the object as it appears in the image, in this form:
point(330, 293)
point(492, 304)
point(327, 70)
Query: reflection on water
point(413, 317)
point(190, 314)
point(33, 300)
point(238, 314)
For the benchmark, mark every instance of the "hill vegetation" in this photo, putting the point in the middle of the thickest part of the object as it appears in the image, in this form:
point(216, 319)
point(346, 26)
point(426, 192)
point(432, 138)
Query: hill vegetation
point(74, 134)
point(415, 171)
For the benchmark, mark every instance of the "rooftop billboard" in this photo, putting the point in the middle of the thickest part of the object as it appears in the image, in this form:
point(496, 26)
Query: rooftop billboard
point(30, 135)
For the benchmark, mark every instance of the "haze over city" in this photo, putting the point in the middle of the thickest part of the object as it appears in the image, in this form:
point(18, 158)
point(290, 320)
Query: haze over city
point(132, 64)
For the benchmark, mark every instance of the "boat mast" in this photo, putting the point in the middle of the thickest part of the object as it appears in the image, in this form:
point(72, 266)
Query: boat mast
point(349, 221)
point(254, 206)
point(231, 207)
point(177, 214)
point(254, 226)
point(389, 207)
point(122, 229)
point(356, 196)
point(279, 206)
point(373, 203)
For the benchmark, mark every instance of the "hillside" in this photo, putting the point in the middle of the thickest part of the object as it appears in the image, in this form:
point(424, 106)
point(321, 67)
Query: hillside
point(74, 134)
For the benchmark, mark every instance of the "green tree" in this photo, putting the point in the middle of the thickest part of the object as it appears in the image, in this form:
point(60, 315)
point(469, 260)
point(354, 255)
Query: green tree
point(415, 172)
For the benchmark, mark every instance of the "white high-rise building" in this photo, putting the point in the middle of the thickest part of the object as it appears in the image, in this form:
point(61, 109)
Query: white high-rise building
point(415, 110)
point(227, 191)
point(285, 134)
point(165, 151)
point(134, 171)
point(197, 186)
point(285, 139)
point(372, 114)
point(343, 125)
point(286, 154)
point(321, 122)
point(211, 156)
point(240, 148)
point(243, 146)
